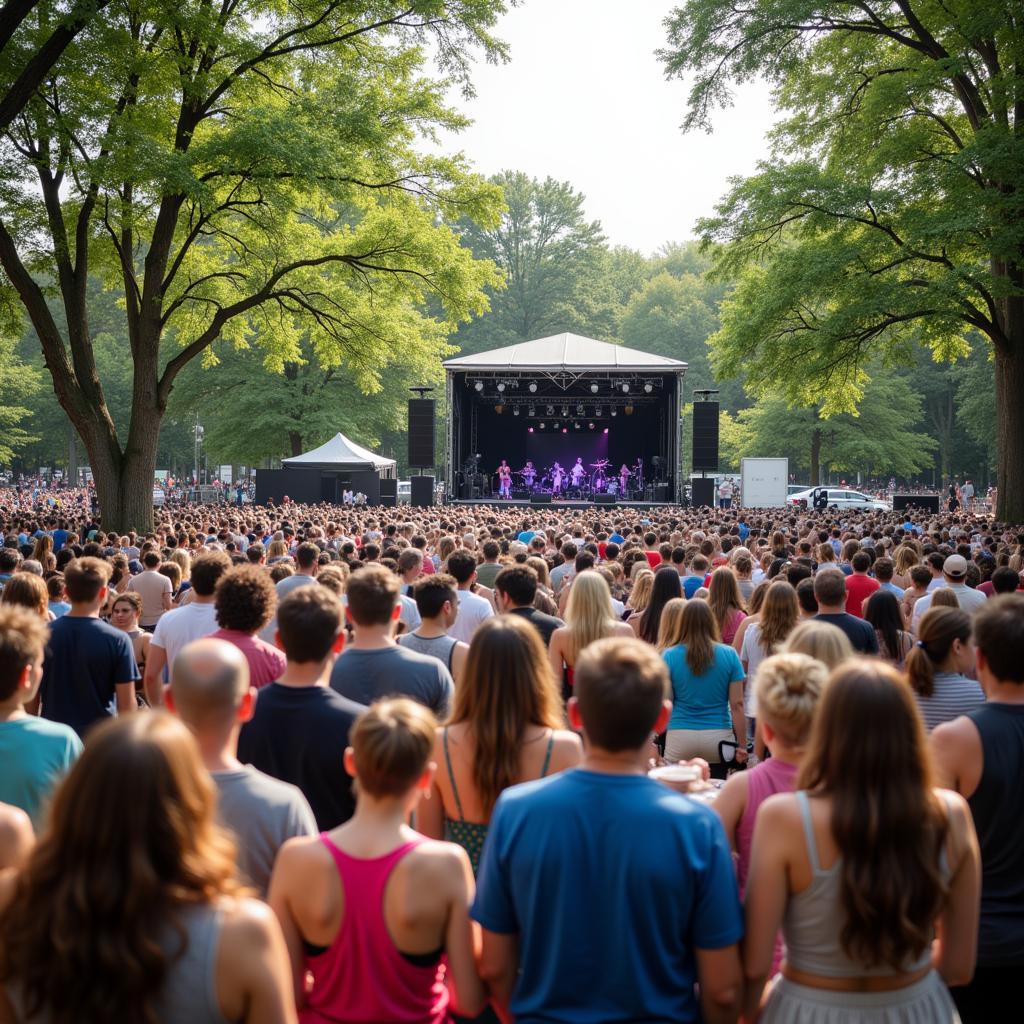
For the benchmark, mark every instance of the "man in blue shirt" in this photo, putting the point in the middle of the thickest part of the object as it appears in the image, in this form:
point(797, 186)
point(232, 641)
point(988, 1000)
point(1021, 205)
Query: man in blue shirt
point(605, 896)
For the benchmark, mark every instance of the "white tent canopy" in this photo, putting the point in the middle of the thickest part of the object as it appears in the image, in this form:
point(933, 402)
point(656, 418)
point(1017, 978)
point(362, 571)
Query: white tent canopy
point(565, 352)
point(342, 454)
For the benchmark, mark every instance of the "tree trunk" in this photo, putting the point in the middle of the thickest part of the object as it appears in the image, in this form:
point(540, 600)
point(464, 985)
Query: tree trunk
point(1010, 429)
point(295, 441)
point(816, 457)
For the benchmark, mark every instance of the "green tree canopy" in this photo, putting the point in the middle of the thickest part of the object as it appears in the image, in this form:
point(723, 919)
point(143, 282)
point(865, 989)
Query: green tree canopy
point(889, 214)
point(242, 175)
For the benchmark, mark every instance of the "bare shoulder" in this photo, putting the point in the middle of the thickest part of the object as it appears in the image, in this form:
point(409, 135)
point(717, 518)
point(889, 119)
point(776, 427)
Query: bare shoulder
point(780, 810)
point(302, 853)
point(567, 741)
point(957, 810)
point(248, 924)
point(624, 628)
point(439, 862)
point(735, 790)
point(959, 731)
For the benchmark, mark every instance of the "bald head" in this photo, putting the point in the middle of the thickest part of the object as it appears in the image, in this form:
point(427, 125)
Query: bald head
point(209, 681)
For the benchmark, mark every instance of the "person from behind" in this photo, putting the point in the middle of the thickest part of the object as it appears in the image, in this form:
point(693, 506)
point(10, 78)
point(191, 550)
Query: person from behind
point(779, 615)
point(553, 952)
point(154, 588)
point(666, 587)
point(706, 680)
point(300, 725)
point(938, 664)
point(181, 626)
point(981, 755)
point(954, 578)
point(830, 593)
point(821, 641)
point(437, 604)
point(515, 592)
point(589, 617)
point(90, 667)
point(726, 602)
point(374, 666)
point(473, 608)
point(57, 597)
point(376, 913)
point(245, 601)
point(506, 727)
point(26, 590)
point(870, 871)
point(210, 693)
point(159, 930)
point(35, 754)
point(882, 613)
point(859, 585)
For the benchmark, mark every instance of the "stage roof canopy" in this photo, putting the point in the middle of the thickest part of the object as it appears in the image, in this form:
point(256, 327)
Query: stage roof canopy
point(339, 453)
point(565, 352)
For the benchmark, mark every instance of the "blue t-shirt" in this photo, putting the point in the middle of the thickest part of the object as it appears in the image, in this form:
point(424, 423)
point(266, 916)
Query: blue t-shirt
point(702, 702)
point(34, 756)
point(85, 659)
point(526, 536)
point(616, 538)
point(60, 538)
point(691, 584)
point(611, 882)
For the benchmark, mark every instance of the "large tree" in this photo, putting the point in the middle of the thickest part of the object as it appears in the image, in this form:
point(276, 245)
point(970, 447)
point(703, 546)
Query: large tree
point(551, 256)
point(890, 212)
point(243, 175)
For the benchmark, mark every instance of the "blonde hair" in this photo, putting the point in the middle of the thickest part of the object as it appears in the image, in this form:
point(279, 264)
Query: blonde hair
point(589, 613)
point(183, 560)
point(670, 632)
point(780, 612)
point(641, 592)
point(788, 688)
point(392, 744)
point(277, 549)
point(944, 597)
point(724, 596)
point(819, 640)
point(905, 558)
point(700, 634)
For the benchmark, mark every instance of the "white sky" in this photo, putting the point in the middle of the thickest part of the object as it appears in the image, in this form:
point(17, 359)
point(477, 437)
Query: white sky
point(584, 100)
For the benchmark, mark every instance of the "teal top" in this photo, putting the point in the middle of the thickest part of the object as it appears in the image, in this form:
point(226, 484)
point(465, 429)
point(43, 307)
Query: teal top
point(470, 835)
point(36, 754)
point(702, 702)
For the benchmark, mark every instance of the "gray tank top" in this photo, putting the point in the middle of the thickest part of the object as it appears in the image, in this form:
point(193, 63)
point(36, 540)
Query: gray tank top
point(189, 994)
point(440, 647)
point(814, 919)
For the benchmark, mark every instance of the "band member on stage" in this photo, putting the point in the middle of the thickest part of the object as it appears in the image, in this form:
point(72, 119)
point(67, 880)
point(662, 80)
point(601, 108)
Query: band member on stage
point(578, 472)
point(504, 480)
point(529, 473)
point(600, 482)
point(624, 475)
point(557, 476)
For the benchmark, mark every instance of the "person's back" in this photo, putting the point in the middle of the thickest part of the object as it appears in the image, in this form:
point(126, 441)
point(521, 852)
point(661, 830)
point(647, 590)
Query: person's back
point(830, 592)
point(376, 914)
point(982, 755)
point(859, 586)
point(154, 588)
point(555, 953)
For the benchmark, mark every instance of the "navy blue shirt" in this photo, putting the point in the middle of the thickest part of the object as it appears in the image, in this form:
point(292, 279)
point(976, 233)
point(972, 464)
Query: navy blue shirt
point(611, 882)
point(85, 659)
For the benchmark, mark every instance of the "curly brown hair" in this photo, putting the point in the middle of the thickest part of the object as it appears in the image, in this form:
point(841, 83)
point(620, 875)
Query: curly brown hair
point(245, 599)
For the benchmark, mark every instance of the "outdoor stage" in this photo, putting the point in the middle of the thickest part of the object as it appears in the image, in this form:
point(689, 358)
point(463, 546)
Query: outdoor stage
point(558, 505)
point(548, 404)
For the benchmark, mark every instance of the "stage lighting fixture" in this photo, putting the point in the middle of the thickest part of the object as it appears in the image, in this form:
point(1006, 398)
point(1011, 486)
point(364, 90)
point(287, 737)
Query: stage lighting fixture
point(579, 410)
point(576, 425)
point(515, 410)
point(597, 410)
point(625, 388)
point(565, 430)
point(648, 387)
point(591, 425)
point(533, 387)
point(531, 411)
point(565, 410)
point(551, 410)
point(606, 430)
point(555, 424)
point(542, 426)
point(501, 385)
point(529, 430)
point(593, 388)
point(479, 385)
point(629, 410)
point(615, 412)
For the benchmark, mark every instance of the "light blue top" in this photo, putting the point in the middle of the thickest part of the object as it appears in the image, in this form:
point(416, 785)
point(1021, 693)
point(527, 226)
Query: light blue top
point(35, 754)
point(702, 702)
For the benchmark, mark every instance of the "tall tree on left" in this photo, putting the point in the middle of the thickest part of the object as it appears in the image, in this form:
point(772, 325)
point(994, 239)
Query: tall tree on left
point(242, 174)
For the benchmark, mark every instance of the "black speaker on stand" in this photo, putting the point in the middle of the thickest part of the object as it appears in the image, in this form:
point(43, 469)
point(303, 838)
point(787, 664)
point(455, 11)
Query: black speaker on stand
point(705, 435)
point(422, 493)
point(389, 492)
point(421, 431)
point(702, 491)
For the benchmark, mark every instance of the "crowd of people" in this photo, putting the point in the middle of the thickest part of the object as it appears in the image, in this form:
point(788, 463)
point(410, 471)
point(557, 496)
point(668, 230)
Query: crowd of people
point(323, 764)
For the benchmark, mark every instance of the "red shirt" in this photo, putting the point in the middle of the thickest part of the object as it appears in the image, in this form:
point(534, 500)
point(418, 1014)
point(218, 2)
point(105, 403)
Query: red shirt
point(859, 587)
point(266, 663)
point(653, 559)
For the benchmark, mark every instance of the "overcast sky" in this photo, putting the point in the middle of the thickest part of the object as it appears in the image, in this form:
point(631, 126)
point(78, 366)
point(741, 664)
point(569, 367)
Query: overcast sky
point(584, 100)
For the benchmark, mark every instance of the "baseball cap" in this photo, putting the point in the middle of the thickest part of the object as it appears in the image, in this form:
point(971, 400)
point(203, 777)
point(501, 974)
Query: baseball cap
point(955, 566)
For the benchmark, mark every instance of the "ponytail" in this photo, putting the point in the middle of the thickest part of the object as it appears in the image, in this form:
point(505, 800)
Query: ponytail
point(939, 628)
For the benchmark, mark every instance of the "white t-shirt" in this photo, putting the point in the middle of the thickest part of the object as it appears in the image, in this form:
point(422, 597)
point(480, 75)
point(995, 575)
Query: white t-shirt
point(753, 654)
point(472, 611)
point(151, 586)
point(181, 626)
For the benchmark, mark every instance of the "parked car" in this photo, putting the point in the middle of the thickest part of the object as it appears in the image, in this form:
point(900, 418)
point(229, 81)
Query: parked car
point(839, 498)
point(404, 492)
point(792, 489)
point(159, 497)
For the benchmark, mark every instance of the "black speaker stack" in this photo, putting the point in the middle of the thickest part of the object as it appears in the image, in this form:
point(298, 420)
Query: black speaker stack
point(421, 433)
point(702, 491)
point(705, 437)
point(422, 493)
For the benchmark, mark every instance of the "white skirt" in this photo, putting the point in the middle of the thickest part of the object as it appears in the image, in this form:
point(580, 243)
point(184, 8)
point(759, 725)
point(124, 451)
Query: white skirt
point(925, 1002)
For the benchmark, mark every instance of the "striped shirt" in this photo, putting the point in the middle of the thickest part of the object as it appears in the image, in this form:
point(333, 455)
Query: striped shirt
point(952, 696)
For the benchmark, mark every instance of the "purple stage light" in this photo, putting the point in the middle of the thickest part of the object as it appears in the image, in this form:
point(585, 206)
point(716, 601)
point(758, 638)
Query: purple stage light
point(531, 430)
point(606, 430)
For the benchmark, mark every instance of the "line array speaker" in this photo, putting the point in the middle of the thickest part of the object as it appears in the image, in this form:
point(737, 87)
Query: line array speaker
point(422, 491)
point(421, 433)
point(702, 490)
point(705, 437)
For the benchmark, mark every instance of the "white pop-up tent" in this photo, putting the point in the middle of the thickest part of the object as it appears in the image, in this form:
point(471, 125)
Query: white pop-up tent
point(342, 455)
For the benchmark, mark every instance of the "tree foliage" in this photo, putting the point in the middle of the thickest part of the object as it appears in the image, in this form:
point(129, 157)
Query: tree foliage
point(247, 175)
point(889, 214)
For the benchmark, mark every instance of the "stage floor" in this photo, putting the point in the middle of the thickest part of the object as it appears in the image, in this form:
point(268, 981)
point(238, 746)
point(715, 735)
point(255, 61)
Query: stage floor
point(559, 504)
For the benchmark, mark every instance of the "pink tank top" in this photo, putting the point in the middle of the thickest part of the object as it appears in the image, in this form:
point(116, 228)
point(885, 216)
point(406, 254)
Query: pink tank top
point(764, 780)
point(361, 978)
